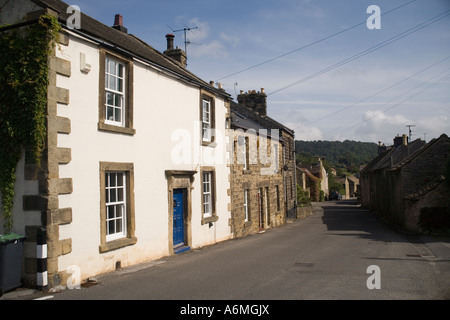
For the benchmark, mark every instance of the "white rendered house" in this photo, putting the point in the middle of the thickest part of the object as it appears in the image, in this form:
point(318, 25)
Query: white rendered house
point(136, 165)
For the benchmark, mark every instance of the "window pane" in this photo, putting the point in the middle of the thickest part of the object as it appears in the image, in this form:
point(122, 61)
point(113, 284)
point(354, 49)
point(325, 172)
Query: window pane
point(111, 213)
point(112, 179)
point(112, 195)
point(120, 194)
point(120, 85)
point(117, 115)
point(111, 227)
point(118, 225)
point(112, 67)
point(120, 74)
point(111, 83)
point(120, 179)
point(110, 98)
point(110, 113)
point(206, 208)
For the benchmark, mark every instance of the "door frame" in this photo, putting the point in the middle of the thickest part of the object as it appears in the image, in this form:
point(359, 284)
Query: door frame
point(179, 179)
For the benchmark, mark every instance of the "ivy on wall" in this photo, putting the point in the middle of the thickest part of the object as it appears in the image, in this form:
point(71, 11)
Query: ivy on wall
point(23, 100)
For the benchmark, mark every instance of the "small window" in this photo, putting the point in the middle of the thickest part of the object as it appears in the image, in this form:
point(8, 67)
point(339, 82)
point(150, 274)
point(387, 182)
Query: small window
point(115, 92)
point(207, 118)
point(208, 193)
point(116, 205)
point(244, 150)
point(246, 204)
point(115, 191)
point(207, 199)
point(277, 191)
point(276, 157)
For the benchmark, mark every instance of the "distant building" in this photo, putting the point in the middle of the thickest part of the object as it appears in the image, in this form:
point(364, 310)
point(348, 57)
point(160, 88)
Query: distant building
point(405, 184)
point(318, 170)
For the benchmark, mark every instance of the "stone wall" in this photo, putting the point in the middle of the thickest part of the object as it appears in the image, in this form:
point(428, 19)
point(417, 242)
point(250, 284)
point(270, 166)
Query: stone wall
point(266, 207)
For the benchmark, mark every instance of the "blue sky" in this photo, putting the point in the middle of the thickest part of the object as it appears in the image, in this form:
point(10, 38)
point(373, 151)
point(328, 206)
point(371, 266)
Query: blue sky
point(369, 98)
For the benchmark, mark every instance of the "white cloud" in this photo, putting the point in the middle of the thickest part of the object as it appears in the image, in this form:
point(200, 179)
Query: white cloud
point(379, 126)
point(201, 44)
point(304, 132)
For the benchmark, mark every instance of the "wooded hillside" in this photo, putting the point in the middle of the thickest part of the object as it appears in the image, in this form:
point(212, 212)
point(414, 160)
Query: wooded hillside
point(343, 156)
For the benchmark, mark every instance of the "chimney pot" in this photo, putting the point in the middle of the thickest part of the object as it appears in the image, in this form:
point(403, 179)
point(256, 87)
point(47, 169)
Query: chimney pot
point(405, 140)
point(170, 38)
point(118, 23)
point(118, 20)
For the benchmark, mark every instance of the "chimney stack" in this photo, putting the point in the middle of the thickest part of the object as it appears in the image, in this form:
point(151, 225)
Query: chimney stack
point(177, 54)
point(400, 140)
point(118, 23)
point(405, 140)
point(257, 101)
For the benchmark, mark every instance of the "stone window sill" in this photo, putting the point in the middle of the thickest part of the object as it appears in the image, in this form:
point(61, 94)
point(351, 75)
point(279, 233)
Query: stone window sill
point(110, 128)
point(117, 244)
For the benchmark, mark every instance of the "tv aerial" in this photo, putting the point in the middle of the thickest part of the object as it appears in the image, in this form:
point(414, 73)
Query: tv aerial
point(410, 131)
point(185, 30)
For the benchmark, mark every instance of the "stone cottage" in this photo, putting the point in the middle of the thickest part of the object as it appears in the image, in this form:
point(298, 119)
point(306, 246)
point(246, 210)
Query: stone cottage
point(406, 182)
point(262, 177)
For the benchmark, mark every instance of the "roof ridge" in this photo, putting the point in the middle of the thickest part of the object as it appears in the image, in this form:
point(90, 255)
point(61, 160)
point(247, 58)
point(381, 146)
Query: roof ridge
point(420, 151)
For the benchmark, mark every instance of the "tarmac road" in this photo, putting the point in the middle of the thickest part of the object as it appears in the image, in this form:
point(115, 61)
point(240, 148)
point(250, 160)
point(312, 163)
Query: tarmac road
point(327, 256)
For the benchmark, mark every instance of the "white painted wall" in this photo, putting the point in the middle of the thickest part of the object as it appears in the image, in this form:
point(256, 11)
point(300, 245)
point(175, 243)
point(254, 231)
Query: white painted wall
point(161, 106)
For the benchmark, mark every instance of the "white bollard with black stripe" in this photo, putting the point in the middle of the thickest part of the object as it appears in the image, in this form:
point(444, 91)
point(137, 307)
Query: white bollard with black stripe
point(41, 258)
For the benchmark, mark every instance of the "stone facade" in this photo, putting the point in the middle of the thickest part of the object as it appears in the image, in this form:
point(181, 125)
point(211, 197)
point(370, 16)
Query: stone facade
point(263, 181)
point(402, 183)
point(264, 204)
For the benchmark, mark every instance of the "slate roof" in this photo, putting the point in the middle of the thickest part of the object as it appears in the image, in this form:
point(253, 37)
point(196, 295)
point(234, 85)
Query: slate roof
point(393, 156)
point(127, 42)
point(419, 152)
point(246, 118)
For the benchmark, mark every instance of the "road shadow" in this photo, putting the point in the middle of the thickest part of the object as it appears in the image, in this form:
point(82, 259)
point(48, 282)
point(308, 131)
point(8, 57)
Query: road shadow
point(348, 218)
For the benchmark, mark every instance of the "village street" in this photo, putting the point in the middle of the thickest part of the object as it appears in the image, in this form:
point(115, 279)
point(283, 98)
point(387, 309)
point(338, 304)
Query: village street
point(324, 256)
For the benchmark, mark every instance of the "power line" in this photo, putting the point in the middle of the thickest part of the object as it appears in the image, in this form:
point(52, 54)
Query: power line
point(397, 104)
point(381, 91)
point(367, 51)
point(311, 44)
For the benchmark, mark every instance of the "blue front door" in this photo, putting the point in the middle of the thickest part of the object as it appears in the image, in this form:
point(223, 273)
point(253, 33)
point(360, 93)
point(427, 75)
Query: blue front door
point(178, 217)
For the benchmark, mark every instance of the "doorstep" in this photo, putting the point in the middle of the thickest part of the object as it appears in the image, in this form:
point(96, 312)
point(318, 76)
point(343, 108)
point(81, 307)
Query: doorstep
point(181, 249)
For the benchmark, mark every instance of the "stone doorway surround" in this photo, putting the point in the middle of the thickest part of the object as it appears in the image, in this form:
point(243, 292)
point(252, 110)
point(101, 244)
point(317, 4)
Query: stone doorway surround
point(180, 179)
